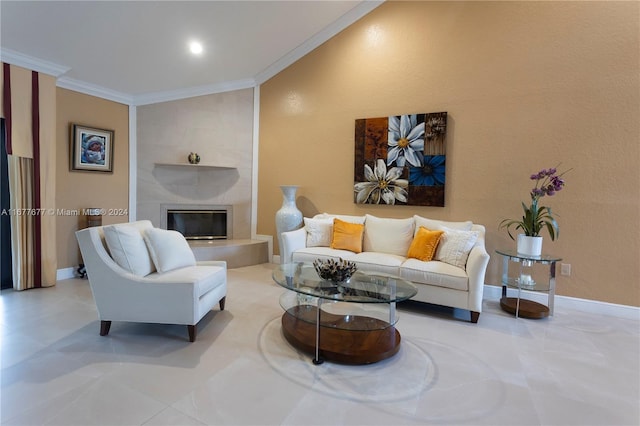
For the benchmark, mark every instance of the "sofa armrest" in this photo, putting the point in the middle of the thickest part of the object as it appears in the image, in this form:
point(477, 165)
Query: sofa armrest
point(292, 241)
point(476, 270)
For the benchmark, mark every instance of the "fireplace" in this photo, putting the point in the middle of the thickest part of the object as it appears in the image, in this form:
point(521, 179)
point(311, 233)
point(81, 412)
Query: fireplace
point(198, 221)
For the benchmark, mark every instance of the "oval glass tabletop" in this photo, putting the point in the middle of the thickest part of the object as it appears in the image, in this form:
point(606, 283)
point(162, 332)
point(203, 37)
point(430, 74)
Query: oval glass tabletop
point(361, 287)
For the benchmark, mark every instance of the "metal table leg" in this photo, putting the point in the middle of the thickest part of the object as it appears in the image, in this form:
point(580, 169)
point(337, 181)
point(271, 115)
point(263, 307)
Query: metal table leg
point(552, 286)
point(317, 360)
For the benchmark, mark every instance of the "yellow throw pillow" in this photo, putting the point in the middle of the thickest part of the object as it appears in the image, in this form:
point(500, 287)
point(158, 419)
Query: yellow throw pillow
point(424, 244)
point(347, 236)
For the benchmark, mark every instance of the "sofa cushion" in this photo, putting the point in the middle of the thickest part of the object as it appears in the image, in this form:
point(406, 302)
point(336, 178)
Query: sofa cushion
point(205, 277)
point(435, 273)
point(310, 254)
point(372, 262)
point(128, 249)
point(455, 245)
point(347, 236)
point(424, 244)
point(344, 217)
point(319, 232)
point(439, 225)
point(169, 249)
point(384, 235)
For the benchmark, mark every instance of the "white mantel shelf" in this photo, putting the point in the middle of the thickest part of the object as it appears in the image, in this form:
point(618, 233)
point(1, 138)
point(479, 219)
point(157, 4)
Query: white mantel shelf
point(194, 166)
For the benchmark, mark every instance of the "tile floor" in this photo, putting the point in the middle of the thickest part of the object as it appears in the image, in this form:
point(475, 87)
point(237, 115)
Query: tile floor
point(572, 369)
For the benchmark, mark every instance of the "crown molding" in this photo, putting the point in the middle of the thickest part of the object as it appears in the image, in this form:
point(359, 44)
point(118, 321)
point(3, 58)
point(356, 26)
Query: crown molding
point(190, 92)
point(94, 90)
point(40, 65)
point(340, 24)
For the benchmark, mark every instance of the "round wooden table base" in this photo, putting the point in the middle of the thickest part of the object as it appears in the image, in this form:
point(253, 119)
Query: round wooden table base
point(528, 308)
point(359, 340)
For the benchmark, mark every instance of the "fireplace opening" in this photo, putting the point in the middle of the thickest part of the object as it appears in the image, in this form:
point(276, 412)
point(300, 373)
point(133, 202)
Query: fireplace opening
point(198, 222)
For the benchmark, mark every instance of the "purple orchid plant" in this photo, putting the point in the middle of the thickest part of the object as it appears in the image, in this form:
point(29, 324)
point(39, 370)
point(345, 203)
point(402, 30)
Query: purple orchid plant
point(536, 217)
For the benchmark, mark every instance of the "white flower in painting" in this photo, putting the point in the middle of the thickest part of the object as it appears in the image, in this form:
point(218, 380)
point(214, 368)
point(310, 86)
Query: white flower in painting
point(406, 141)
point(381, 185)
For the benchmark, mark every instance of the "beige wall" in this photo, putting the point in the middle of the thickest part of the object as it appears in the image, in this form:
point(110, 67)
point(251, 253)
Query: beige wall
point(526, 85)
point(79, 190)
point(219, 127)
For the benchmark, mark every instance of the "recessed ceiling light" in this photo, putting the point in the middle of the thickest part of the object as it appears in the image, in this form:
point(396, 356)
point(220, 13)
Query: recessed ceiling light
point(195, 47)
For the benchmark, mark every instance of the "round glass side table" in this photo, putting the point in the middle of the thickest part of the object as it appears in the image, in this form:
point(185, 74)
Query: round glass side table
point(524, 307)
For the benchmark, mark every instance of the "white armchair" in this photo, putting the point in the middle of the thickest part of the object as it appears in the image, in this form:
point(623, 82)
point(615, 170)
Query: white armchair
point(182, 295)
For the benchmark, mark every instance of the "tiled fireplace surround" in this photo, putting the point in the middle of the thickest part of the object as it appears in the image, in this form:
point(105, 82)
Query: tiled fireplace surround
point(219, 127)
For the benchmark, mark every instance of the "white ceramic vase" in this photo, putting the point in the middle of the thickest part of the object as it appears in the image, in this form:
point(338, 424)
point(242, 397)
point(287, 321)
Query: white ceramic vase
point(529, 246)
point(288, 217)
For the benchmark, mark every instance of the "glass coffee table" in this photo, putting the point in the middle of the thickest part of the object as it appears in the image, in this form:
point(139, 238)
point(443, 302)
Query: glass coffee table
point(349, 323)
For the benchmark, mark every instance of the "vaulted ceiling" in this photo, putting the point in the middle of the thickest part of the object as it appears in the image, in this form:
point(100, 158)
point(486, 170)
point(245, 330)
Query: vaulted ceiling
point(137, 51)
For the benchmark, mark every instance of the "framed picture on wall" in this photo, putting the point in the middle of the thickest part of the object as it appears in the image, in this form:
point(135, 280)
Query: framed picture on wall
point(401, 159)
point(91, 149)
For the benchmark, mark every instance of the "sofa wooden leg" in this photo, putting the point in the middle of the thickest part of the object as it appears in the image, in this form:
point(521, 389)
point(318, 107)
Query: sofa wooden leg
point(474, 316)
point(222, 301)
point(192, 333)
point(104, 327)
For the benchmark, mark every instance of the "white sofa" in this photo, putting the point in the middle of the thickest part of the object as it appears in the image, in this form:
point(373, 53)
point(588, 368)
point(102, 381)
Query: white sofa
point(139, 273)
point(455, 277)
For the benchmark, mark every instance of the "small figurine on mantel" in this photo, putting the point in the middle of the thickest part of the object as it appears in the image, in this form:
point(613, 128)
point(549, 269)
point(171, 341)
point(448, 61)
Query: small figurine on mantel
point(193, 158)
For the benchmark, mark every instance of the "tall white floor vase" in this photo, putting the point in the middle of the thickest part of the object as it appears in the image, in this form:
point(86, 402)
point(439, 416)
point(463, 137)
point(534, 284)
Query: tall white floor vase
point(288, 217)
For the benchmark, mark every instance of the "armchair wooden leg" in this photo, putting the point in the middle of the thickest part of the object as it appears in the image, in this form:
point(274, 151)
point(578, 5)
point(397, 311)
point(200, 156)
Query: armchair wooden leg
point(192, 332)
point(222, 301)
point(104, 327)
point(474, 316)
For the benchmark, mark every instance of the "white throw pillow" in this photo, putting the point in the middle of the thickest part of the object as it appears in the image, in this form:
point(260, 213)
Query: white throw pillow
point(319, 232)
point(169, 249)
point(441, 225)
point(127, 248)
point(391, 236)
point(455, 245)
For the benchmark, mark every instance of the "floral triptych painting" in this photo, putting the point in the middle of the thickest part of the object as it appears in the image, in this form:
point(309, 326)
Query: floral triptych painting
point(401, 159)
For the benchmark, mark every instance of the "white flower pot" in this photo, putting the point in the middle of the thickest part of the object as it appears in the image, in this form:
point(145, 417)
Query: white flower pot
point(529, 246)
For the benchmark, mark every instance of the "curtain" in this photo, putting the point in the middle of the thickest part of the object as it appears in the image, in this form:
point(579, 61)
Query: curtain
point(28, 106)
point(22, 233)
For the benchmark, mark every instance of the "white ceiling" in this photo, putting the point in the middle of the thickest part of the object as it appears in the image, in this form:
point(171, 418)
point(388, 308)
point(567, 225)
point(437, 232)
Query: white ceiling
point(137, 51)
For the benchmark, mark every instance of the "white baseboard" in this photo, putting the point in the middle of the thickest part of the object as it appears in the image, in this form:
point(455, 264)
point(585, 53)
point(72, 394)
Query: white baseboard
point(65, 274)
point(492, 292)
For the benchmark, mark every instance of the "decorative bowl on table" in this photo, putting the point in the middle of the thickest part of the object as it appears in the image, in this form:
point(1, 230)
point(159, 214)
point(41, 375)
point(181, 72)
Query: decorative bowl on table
point(337, 271)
